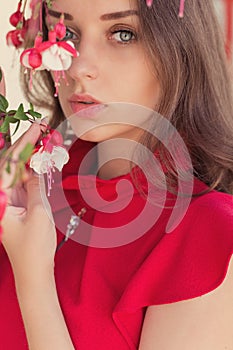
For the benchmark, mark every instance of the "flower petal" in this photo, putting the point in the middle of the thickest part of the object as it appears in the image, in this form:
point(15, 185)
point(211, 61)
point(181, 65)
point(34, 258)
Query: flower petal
point(59, 157)
point(40, 161)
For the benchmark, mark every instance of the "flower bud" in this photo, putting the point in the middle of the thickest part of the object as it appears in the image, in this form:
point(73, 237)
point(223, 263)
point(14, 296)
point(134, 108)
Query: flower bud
point(15, 18)
point(149, 3)
point(52, 36)
point(31, 58)
point(14, 38)
point(34, 59)
point(60, 30)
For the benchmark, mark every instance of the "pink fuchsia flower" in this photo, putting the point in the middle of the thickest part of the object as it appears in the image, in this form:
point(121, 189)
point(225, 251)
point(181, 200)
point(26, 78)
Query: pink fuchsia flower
point(149, 3)
point(60, 28)
point(17, 16)
point(2, 141)
point(181, 10)
point(53, 138)
point(15, 37)
point(32, 58)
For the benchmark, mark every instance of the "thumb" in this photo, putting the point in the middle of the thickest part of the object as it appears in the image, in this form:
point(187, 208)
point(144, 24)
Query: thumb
point(2, 85)
point(32, 135)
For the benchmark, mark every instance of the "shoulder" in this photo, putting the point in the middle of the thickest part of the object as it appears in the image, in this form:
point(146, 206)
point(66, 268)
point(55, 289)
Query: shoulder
point(196, 303)
point(194, 257)
point(200, 323)
point(211, 211)
point(214, 200)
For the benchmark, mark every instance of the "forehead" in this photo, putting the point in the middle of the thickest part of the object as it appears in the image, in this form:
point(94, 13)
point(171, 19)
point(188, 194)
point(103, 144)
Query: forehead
point(90, 8)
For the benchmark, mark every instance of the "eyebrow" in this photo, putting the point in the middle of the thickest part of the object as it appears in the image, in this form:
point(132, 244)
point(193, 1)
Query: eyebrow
point(57, 14)
point(117, 15)
point(105, 17)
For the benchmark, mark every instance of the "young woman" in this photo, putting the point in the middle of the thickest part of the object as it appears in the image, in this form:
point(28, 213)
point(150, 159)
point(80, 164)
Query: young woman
point(143, 288)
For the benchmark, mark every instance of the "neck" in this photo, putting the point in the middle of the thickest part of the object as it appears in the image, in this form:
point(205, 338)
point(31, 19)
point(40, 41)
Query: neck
point(115, 158)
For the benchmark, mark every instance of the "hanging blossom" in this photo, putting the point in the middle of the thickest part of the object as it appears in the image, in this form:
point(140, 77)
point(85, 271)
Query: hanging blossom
point(57, 56)
point(49, 156)
point(53, 55)
point(16, 37)
point(149, 3)
point(181, 10)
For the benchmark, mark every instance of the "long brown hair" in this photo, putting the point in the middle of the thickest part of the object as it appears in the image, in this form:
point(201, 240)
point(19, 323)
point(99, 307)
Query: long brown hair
point(196, 94)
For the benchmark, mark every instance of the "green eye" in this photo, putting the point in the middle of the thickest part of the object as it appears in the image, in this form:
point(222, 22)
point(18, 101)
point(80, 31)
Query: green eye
point(69, 35)
point(123, 36)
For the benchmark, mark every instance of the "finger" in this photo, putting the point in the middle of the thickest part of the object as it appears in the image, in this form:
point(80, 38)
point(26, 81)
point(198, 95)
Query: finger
point(32, 135)
point(11, 222)
point(37, 201)
point(2, 85)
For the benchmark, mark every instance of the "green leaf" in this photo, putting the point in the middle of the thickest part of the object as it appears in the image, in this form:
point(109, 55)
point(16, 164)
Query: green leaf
point(11, 119)
point(3, 103)
point(11, 112)
point(4, 128)
point(20, 114)
point(16, 128)
point(34, 114)
point(26, 153)
point(31, 107)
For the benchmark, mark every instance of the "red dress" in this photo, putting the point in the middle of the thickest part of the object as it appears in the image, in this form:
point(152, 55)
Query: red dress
point(104, 291)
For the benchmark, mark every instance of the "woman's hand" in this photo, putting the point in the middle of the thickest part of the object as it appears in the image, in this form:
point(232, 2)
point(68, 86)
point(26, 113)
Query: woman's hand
point(29, 235)
point(29, 238)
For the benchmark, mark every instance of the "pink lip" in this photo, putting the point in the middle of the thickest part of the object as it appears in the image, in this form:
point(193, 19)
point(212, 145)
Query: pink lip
point(77, 104)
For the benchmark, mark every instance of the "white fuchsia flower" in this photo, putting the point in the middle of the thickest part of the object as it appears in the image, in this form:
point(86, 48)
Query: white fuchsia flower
point(52, 55)
point(43, 162)
point(58, 56)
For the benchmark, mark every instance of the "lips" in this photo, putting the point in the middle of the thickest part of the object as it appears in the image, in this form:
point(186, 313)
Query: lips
point(83, 102)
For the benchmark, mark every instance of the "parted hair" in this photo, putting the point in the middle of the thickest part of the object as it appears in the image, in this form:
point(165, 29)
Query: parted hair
point(190, 63)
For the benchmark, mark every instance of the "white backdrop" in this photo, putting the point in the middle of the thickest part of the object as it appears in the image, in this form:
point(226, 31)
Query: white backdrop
point(9, 58)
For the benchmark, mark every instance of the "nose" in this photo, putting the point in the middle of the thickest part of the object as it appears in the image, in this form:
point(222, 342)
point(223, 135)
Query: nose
point(84, 67)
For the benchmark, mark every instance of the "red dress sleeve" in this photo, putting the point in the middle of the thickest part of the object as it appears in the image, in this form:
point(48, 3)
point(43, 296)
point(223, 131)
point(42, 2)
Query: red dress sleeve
point(186, 263)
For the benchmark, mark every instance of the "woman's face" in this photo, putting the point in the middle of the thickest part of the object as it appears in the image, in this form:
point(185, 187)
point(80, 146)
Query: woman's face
point(112, 66)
